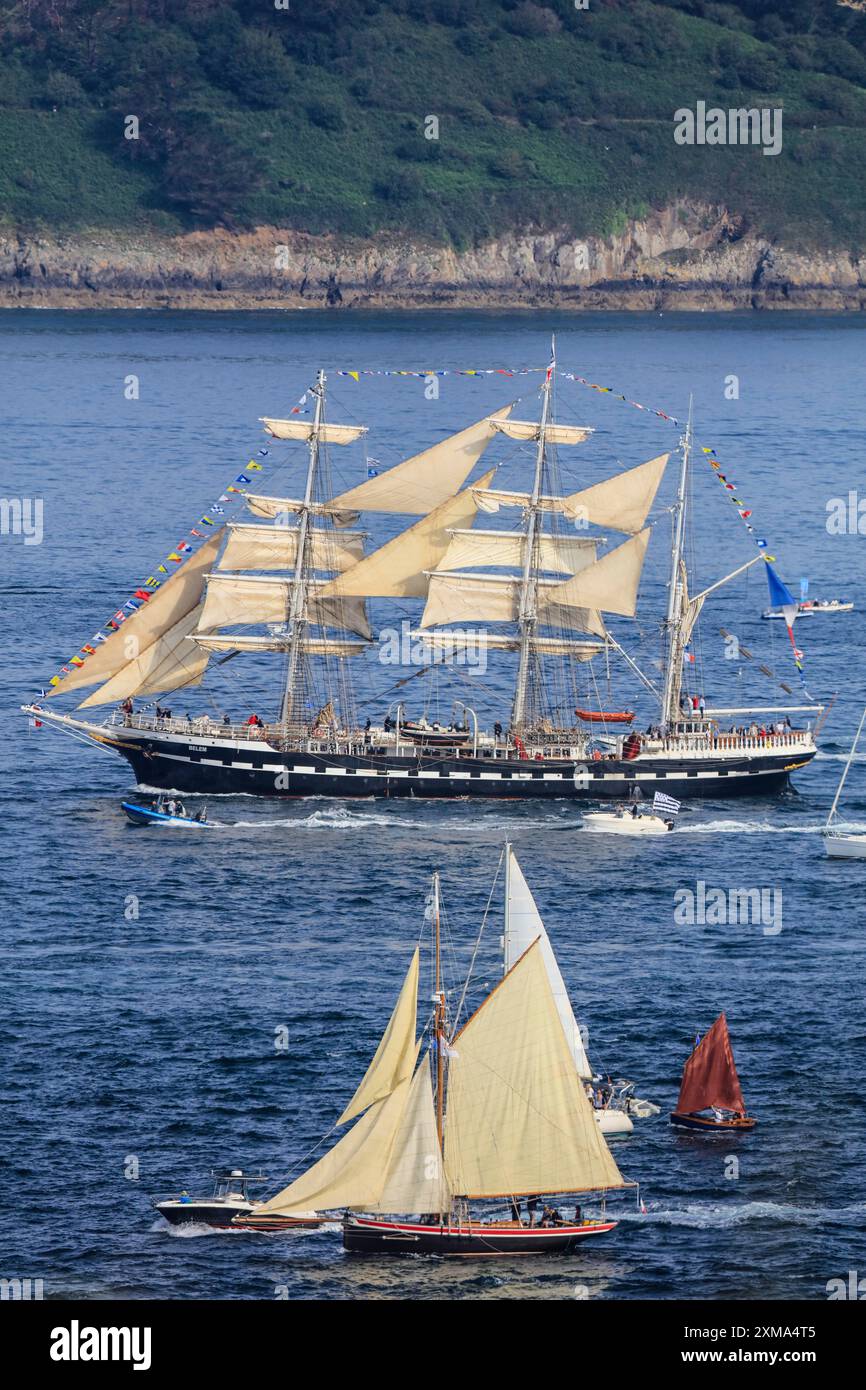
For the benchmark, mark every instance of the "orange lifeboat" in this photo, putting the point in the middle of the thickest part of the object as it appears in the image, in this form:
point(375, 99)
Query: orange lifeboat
point(617, 716)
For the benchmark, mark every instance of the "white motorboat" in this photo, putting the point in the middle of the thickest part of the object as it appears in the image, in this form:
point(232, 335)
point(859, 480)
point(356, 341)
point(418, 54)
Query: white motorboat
point(627, 823)
point(811, 608)
point(841, 844)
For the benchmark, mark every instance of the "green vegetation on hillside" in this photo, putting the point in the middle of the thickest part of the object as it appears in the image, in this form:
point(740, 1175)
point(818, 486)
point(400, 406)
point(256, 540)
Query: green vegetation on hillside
point(313, 116)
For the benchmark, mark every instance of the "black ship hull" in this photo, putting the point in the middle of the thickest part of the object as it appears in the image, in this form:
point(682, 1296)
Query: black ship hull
point(368, 1237)
point(185, 765)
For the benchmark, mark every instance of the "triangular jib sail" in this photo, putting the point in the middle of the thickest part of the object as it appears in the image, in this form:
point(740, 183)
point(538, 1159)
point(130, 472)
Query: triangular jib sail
point(523, 926)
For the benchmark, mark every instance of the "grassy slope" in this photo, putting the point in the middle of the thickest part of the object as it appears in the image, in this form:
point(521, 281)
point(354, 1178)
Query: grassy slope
point(558, 130)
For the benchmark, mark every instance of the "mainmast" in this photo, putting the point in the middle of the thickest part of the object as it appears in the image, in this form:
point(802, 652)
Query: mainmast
point(439, 1022)
point(297, 615)
point(527, 613)
point(670, 709)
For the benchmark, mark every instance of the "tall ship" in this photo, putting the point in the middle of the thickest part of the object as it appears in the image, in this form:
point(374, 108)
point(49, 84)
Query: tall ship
point(535, 595)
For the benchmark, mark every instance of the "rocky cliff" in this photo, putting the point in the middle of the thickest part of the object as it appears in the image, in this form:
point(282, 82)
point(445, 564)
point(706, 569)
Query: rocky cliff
point(685, 257)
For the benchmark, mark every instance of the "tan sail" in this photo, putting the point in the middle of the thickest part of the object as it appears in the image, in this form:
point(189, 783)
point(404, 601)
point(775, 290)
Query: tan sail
point(426, 480)
point(611, 584)
point(622, 502)
point(691, 608)
point(353, 1172)
point(177, 597)
point(453, 641)
point(415, 1181)
point(396, 569)
point(247, 599)
point(479, 549)
point(553, 434)
point(173, 662)
point(464, 598)
point(283, 506)
point(303, 429)
point(490, 499)
point(252, 547)
point(518, 1120)
point(317, 646)
point(395, 1055)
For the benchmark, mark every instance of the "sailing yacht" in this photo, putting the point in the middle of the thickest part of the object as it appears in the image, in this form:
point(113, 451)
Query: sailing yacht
point(711, 1098)
point(838, 843)
point(539, 594)
point(454, 1123)
point(523, 926)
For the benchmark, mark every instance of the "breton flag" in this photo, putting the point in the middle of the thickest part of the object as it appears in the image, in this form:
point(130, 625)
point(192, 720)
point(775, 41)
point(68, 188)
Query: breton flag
point(665, 804)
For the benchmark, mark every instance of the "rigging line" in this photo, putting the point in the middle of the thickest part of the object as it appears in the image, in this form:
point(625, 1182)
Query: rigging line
point(478, 943)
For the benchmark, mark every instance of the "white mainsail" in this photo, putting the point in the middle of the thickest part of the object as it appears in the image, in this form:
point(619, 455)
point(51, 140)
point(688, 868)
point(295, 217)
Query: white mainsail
point(518, 1120)
point(523, 926)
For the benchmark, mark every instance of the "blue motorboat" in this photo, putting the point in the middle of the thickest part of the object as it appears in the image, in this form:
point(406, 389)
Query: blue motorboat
point(158, 814)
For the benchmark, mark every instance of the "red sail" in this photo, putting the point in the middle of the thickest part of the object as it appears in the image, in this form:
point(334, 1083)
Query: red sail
point(709, 1075)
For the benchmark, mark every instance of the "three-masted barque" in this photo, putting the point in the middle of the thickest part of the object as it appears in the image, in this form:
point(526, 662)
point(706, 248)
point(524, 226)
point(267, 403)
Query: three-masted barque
point(538, 592)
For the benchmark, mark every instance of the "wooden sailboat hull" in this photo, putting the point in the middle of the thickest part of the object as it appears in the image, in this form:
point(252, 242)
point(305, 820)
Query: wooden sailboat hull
point(367, 1236)
point(217, 767)
point(704, 1125)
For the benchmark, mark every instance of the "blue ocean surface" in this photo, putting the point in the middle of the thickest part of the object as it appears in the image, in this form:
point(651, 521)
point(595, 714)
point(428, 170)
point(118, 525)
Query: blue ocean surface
point(150, 976)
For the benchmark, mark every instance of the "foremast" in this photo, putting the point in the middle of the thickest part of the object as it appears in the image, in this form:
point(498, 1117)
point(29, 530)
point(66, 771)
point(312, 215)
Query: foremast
point(528, 610)
point(297, 616)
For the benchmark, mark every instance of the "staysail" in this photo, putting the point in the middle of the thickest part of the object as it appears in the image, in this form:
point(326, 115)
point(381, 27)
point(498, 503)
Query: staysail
point(518, 1120)
point(523, 926)
point(169, 605)
point(427, 479)
point(709, 1075)
point(397, 569)
point(395, 1055)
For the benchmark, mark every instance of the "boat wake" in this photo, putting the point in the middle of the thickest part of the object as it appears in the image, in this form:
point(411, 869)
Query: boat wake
point(722, 1216)
point(746, 827)
point(337, 818)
